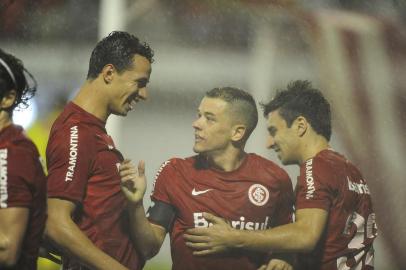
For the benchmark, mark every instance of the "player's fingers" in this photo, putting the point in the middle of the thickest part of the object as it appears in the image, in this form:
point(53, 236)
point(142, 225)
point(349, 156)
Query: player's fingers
point(195, 231)
point(197, 246)
point(263, 267)
point(128, 172)
point(127, 177)
point(196, 238)
point(141, 168)
point(126, 165)
point(203, 252)
point(213, 219)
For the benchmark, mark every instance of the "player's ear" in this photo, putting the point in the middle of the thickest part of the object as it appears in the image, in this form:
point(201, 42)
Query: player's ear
point(238, 132)
point(108, 73)
point(8, 100)
point(301, 125)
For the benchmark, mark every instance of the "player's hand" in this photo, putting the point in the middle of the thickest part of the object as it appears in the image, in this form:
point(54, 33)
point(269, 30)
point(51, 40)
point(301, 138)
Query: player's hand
point(133, 181)
point(276, 264)
point(213, 239)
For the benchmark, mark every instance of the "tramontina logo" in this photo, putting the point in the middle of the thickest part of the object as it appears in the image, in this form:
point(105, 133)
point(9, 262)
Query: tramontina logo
point(258, 194)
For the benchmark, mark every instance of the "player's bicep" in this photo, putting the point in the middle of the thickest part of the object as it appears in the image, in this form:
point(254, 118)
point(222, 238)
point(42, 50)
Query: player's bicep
point(312, 221)
point(13, 224)
point(60, 208)
point(160, 233)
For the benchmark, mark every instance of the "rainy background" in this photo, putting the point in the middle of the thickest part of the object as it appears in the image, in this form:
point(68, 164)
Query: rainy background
point(355, 51)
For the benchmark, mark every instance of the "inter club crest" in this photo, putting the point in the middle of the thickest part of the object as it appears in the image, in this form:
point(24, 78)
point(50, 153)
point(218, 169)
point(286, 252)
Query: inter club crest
point(258, 194)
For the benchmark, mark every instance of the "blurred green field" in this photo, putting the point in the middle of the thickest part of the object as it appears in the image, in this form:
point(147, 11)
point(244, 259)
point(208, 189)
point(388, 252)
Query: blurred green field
point(157, 266)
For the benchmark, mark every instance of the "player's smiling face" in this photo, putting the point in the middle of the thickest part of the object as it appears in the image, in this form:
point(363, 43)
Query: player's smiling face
point(282, 139)
point(130, 86)
point(213, 126)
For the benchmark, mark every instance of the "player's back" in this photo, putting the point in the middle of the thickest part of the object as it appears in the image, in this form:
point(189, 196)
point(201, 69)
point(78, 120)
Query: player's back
point(342, 191)
point(24, 183)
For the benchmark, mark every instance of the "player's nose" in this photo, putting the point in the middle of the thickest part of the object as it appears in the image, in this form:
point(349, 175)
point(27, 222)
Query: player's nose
point(143, 93)
point(197, 124)
point(270, 143)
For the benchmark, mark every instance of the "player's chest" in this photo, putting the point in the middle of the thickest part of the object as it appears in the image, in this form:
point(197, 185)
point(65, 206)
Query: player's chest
point(106, 161)
point(247, 201)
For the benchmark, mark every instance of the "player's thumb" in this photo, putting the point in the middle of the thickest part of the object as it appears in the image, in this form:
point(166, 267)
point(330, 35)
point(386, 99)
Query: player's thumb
point(141, 168)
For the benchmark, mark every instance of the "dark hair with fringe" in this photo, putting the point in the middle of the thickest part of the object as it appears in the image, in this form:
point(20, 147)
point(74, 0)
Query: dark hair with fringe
point(118, 49)
point(301, 99)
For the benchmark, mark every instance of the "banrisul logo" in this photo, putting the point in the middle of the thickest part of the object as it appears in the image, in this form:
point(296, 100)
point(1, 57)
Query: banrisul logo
point(3, 178)
point(309, 179)
point(73, 152)
point(241, 224)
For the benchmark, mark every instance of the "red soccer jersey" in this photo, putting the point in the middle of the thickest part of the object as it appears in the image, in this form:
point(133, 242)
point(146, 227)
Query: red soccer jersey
point(256, 196)
point(83, 168)
point(330, 182)
point(23, 184)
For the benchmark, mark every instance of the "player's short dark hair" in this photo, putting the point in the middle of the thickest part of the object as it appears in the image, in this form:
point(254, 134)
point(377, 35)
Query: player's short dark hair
point(13, 77)
point(118, 49)
point(242, 105)
point(301, 99)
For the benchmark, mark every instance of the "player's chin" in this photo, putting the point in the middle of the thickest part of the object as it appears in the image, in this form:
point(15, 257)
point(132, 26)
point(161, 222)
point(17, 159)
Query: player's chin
point(122, 111)
point(286, 161)
point(198, 149)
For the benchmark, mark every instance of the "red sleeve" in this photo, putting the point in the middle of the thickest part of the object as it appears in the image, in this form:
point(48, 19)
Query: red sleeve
point(163, 180)
point(70, 152)
point(17, 171)
point(285, 202)
point(314, 188)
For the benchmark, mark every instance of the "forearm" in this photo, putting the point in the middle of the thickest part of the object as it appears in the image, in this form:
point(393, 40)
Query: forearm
point(144, 235)
point(288, 238)
point(70, 239)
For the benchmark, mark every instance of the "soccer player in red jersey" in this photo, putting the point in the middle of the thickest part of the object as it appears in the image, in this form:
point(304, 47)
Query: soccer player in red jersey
point(87, 216)
point(251, 192)
point(335, 223)
point(22, 179)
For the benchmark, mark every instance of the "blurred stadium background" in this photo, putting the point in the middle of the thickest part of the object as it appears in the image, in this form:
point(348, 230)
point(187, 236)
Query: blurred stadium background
point(354, 50)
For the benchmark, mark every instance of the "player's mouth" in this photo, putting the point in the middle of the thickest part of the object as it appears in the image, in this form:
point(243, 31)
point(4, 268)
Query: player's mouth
point(276, 149)
point(132, 100)
point(198, 138)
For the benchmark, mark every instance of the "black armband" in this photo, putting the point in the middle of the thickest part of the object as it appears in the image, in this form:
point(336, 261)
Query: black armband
point(162, 214)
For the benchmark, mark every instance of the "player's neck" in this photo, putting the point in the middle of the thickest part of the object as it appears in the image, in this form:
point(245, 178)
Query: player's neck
point(312, 147)
point(91, 99)
point(5, 119)
point(229, 160)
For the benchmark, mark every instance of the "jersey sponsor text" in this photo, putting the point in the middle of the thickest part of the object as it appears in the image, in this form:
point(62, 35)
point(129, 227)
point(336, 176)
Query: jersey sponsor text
point(3, 178)
point(73, 152)
point(309, 179)
point(360, 188)
point(242, 224)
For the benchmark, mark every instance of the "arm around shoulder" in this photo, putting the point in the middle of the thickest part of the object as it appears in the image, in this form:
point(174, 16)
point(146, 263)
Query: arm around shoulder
point(300, 236)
